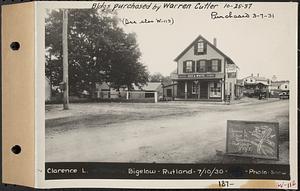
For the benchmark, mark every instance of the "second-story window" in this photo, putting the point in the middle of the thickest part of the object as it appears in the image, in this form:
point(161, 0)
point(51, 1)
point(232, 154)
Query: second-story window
point(201, 66)
point(216, 65)
point(188, 66)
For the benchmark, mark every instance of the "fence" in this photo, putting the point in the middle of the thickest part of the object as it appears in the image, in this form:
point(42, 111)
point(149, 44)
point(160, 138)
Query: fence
point(128, 96)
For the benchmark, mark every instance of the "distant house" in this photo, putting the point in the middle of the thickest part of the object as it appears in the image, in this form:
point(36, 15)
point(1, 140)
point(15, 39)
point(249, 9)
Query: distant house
point(276, 87)
point(285, 86)
point(254, 85)
point(153, 87)
point(104, 91)
point(204, 73)
point(253, 80)
point(279, 85)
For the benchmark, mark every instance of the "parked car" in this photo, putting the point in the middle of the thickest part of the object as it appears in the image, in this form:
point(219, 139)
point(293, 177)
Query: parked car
point(284, 95)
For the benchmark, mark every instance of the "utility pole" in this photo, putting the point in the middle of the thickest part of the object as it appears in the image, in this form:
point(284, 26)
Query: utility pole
point(65, 60)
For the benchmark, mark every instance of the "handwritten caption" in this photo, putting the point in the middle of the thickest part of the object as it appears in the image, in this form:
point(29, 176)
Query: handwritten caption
point(218, 11)
point(169, 21)
point(288, 184)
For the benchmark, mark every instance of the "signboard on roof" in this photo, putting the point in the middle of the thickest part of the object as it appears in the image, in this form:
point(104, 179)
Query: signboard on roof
point(231, 68)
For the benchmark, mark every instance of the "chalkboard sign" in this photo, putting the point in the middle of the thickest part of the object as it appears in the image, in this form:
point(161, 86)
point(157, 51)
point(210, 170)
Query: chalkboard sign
point(252, 139)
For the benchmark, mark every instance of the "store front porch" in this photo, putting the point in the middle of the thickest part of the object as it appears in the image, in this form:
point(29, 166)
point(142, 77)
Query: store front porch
point(200, 90)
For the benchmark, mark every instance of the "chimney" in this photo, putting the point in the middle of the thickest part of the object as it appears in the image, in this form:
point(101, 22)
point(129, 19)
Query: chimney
point(215, 42)
point(257, 74)
point(252, 75)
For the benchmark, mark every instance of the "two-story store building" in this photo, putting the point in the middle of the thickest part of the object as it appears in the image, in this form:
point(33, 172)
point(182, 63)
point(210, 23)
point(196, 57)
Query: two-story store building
point(204, 73)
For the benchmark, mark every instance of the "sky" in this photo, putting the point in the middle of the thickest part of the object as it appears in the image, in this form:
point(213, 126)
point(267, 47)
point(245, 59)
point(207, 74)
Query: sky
point(264, 46)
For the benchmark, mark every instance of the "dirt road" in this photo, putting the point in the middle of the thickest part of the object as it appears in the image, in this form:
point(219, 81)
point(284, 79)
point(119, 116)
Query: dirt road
point(172, 133)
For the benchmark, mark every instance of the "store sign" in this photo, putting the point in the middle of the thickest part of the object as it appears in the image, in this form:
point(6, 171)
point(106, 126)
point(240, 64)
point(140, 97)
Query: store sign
point(196, 75)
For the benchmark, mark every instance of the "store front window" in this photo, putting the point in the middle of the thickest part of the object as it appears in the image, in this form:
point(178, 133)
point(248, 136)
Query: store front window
point(215, 90)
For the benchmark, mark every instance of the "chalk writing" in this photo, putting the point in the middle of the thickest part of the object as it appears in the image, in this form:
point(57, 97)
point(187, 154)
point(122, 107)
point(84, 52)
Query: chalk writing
point(253, 139)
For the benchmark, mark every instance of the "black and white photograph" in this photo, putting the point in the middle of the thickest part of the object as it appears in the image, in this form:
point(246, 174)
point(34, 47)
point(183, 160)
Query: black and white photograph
point(168, 82)
point(150, 95)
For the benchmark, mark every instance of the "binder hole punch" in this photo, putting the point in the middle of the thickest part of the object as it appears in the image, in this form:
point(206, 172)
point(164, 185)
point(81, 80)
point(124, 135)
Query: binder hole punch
point(16, 149)
point(15, 45)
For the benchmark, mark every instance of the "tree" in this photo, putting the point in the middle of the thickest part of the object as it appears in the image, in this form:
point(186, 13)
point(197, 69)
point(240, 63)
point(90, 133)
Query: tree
point(99, 51)
point(158, 77)
point(127, 70)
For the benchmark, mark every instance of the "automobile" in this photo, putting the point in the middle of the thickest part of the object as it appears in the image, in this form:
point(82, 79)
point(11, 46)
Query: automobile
point(284, 95)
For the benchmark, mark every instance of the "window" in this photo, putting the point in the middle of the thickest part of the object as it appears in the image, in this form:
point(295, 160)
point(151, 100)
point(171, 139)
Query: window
point(201, 65)
point(215, 89)
point(285, 86)
point(231, 75)
point(149, 94)
point(169, 92)
point(189, 66)
point(215, 65)
point(200, 48)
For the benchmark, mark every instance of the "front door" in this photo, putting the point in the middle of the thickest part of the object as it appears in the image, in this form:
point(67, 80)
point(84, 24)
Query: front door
point(203, 90)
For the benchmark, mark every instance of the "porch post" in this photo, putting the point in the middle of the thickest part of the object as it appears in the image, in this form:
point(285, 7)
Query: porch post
point(198, 89)
point(185, 90)
point(208, 90)
point(173, 89)
point(222, 90)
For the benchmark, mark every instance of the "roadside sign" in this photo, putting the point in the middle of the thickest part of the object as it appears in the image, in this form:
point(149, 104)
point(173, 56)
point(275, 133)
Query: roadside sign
point(253, 139)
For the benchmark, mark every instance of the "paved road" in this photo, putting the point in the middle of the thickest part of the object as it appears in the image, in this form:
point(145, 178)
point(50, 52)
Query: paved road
point(181, 139)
